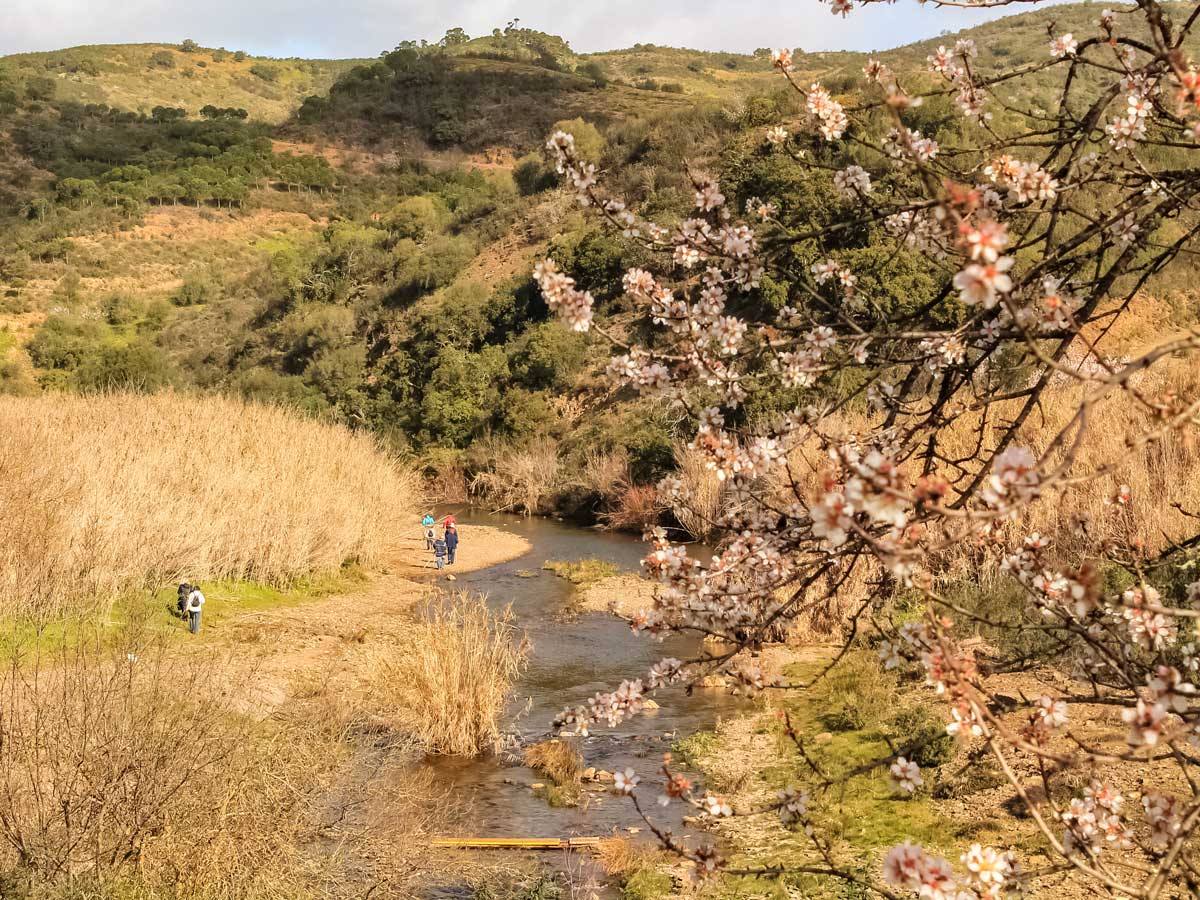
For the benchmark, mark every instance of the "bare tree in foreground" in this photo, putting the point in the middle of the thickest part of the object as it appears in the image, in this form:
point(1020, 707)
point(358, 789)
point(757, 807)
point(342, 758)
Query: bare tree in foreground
point(945, 430)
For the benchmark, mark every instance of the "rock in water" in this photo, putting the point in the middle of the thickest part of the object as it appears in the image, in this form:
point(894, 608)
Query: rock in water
point(451, 578)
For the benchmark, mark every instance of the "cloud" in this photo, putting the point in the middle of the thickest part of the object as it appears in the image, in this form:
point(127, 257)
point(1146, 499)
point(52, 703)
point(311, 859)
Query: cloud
point(363, 28)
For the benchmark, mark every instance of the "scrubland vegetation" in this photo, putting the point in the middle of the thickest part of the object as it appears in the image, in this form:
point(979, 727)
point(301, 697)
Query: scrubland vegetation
point(248, 305)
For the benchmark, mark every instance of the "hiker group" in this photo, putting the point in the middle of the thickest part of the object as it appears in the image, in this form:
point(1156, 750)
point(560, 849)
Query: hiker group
point(444, 546)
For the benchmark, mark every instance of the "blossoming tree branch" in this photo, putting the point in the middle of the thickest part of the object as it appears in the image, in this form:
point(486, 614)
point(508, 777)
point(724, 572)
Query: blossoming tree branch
point(927, 439)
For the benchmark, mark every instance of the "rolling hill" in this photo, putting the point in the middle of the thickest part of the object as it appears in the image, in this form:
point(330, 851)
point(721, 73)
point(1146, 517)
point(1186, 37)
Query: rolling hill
point(360, 246)
point(139, 77)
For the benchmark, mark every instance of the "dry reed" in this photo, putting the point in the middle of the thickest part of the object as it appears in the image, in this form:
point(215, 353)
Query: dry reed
point(1163, 477)
point(107, 494)
point(449, 685)
point(520, 479)
point(557, 760)
point(700, 503)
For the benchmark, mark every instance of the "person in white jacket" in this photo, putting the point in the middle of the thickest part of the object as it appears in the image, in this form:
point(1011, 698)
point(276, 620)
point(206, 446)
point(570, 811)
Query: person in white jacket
point(195, 602)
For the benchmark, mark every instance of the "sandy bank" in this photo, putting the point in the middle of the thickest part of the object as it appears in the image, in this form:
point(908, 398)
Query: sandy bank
point(625, 595)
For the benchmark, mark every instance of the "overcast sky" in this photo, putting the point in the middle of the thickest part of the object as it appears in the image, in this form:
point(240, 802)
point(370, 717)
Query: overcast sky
point(352, 28)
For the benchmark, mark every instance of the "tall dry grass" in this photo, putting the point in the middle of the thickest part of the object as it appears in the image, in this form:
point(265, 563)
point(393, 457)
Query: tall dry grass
point(558, 760)
point(519, 479)
point(448, 686)
point(701, 501)
point(129, 769)
point(1163, 477)
point(105, 494)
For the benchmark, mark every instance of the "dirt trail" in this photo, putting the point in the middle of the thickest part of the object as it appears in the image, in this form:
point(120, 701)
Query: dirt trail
point(317, 641)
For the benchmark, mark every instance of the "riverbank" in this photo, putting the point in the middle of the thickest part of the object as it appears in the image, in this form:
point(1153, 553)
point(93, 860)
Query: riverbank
point(284, 648)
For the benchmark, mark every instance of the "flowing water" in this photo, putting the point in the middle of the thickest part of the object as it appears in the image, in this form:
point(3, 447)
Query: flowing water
point(574, 655)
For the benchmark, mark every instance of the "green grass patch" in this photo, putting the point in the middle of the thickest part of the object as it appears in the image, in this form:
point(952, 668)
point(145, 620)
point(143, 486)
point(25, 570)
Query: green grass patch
point(691, 750)
point(583, 572)
point(224, 602)
point(646, 884)
point(865, 815)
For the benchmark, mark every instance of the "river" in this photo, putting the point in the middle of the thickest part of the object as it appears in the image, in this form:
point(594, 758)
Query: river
point(574, 655)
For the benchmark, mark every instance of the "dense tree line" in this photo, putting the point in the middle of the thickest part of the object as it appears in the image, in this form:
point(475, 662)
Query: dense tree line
point(101, 155)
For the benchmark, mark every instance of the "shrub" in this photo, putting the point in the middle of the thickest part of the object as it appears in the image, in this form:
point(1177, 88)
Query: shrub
point(14, 381)
point(120, 310)
point(558, 760)
point(265, 72)
point(854, 695)
point(98, 746)
point(923, 736)
point(449, 686)
point(163, 59)
point(520, 479)
point(103, 495)
point(197, 287)
point(637, 509)
point(532, 175)
point(138, 367)
point(64, 342)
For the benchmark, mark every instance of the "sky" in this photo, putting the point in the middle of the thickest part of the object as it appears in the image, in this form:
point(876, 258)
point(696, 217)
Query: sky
point(363, 28)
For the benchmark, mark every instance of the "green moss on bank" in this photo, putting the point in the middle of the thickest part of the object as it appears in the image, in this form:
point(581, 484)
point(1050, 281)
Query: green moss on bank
point(852, 717)
point(224, 601)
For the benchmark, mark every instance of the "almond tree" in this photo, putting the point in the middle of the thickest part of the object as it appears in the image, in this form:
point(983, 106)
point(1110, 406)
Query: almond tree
point(1039, 229)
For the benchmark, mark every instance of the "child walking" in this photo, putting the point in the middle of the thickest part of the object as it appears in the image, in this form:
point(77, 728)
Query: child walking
point(439, 552)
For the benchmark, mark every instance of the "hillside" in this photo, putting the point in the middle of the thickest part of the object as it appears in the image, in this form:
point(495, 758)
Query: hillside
point(368, 259)
point(139, 77)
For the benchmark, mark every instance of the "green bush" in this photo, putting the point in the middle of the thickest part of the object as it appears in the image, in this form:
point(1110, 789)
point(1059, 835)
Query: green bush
point(589, 142)
point(14, 381)
point(64, 342)
point(532, 175)
point(163, 59)
point(855, 695)
point(265, 72)
point(923, 736)
point(138, 367)
point(197, 288)
point(119, 310)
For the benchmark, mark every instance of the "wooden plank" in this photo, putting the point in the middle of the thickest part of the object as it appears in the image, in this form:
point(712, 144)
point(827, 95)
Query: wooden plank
point(519, 843)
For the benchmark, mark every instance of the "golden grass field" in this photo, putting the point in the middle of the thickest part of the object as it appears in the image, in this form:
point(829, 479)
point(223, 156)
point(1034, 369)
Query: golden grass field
point(104, 495)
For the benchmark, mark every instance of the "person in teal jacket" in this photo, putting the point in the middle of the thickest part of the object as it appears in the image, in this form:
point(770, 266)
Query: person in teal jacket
point(427, 524)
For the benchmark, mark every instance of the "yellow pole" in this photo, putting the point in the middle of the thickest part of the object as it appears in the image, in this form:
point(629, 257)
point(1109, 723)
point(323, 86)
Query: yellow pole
point(519, 843)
